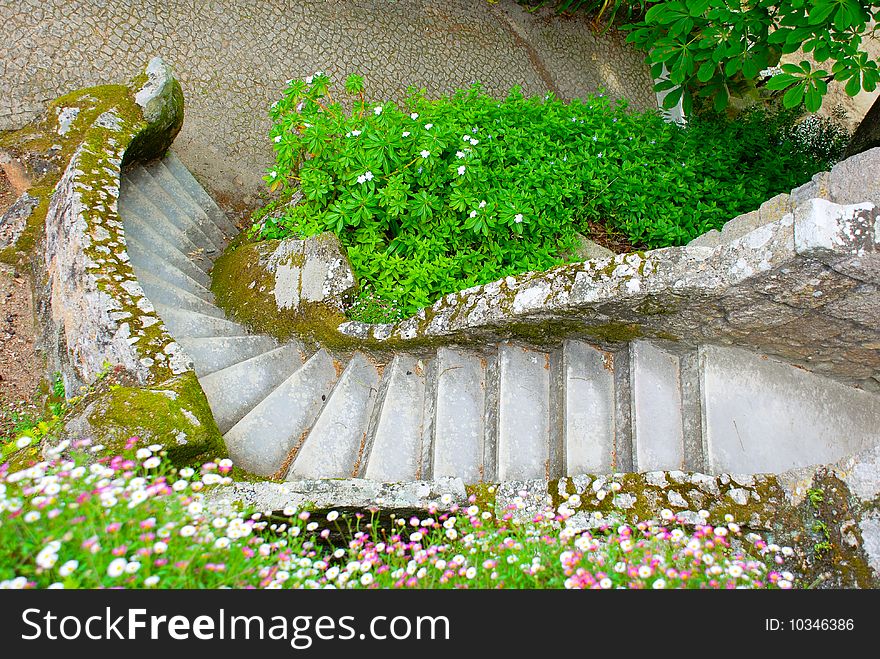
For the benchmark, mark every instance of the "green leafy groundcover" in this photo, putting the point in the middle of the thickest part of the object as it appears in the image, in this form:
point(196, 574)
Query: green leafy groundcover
point(440, 195)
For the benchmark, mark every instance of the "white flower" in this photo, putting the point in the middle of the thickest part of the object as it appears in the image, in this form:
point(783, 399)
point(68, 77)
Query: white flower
point(471, 572)
point(277, 139)
point(332, 516)
point(605, 583)
point(784, 584)
point(31, 516)
point(415, 537)
point(116, 567)
point(68, 568)
point(160, 547)
point(179, 486)
point(187, 531)
point(186, 472)
point(461, 170)
point(222, 543)
point(152, 463)
point(414, 116)
point(659, 584)
point(446, 499)
point(273, 174)
point(361, 179)
point(132, 567)
point(23, 441)
point(405, 133)
point(425, 153)
point(366, 579)
point(368, 175)
point(355, 132)
point(452, 534)
point(473, 213)
point(466, 138)
point(56, 586)
point(460, 154)
point(482, 204)
point(645, 571)
point(666, 514)
point(518, 218)
point(735, 571)
point(309, 80)
point(332, 573)
point(474, 142)
point(429, 126)
point(149, 582)
point(377, 110)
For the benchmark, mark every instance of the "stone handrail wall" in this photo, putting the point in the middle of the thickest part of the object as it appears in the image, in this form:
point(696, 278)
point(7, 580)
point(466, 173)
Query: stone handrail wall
point(796, 279)
point(96, 311)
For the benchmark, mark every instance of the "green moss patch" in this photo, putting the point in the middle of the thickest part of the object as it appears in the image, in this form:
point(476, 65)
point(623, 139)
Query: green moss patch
point(174, 414)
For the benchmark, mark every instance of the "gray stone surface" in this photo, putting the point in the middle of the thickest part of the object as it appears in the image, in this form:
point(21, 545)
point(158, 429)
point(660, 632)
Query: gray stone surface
point(334, 446)
point(145, 259)
point(589, 418)
point(348, 493)
point(235, 390)
point(765, 416)
point(233, 58)
point(458, 420)
point(396, 446)
point(197, 194)
point(14, 220)
point(182, 323)
point(523, 413)
point(214, 353)
point(264, 439)
point(658, 434)
point(160, 291)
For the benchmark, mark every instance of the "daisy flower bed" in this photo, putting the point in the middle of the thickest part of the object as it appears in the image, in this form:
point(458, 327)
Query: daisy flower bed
point(86, 520)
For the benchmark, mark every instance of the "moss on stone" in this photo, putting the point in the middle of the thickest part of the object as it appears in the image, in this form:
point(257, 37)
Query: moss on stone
point(174, 413)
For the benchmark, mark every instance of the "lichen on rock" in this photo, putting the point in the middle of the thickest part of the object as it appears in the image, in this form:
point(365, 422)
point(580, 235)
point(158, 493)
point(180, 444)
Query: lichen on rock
point(173, 413)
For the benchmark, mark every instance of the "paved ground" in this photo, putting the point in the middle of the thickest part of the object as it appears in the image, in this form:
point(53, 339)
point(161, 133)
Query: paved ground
point(233, 58)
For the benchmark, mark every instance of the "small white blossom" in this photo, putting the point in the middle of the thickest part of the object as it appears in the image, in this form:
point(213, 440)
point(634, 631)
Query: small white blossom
point(425, 153)
point(377, 110)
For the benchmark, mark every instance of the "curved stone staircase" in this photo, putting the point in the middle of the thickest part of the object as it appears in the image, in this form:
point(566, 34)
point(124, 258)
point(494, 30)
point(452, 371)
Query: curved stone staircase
point(508, 412)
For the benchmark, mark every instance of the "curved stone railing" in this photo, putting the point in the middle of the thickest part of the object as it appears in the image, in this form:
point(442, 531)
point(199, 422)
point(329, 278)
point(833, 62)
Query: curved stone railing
point(97, 310)
point(795, 279)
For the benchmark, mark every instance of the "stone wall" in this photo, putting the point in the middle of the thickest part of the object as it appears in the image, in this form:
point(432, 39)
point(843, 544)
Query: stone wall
point(233, 58)
point(92, 308)
point(796, 279)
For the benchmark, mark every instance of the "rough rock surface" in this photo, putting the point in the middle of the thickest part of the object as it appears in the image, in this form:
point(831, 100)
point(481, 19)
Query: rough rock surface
point(233, 59)
point(272, 285)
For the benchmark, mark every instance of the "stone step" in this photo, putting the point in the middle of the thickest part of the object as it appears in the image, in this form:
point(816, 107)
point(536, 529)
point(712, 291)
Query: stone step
point(197, 193)
point(142, 214)
point(394, 444)
point(587, 405)
point(762, 415)
point(160, 291)
point(214, 353)
point(182, 323)
point(658, 431)
point(145, 260)
point(270, 434)
point(334, 447)
point(523, 413)
point(172, 186)
point(233, 391)
point(154, 243)
point(459, 415)
point(171, 209)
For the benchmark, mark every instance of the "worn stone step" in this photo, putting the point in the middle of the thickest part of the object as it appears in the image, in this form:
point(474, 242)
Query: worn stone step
point(146, 260)
point(138, 235)
point(523, 413)
point(150, 226)
point(459, 415)
point(587, 409)
point(394, 449)
point(170, 184)
point(762, 415)
point(197, 193)
point(152, 211)
point(270, 434)
point(658, 432)
point(334, 446)
point(235, 390)
point(214, 353)
point(160, 291)
point(171, 208)
point(182, 323)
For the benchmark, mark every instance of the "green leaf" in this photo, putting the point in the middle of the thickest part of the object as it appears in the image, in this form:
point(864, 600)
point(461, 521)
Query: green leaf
point(794, 96)
point(706, 71)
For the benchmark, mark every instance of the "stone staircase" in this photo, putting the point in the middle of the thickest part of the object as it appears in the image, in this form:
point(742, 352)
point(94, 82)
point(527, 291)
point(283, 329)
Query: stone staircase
point(504, 412)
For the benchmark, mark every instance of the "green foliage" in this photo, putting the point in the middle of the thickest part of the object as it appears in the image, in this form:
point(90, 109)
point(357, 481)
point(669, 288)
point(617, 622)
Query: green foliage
point(709, 47)
point(600, 11)
point(441, 195)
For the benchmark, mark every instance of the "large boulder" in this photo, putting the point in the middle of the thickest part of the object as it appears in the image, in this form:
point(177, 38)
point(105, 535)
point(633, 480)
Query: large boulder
point(280, 286)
